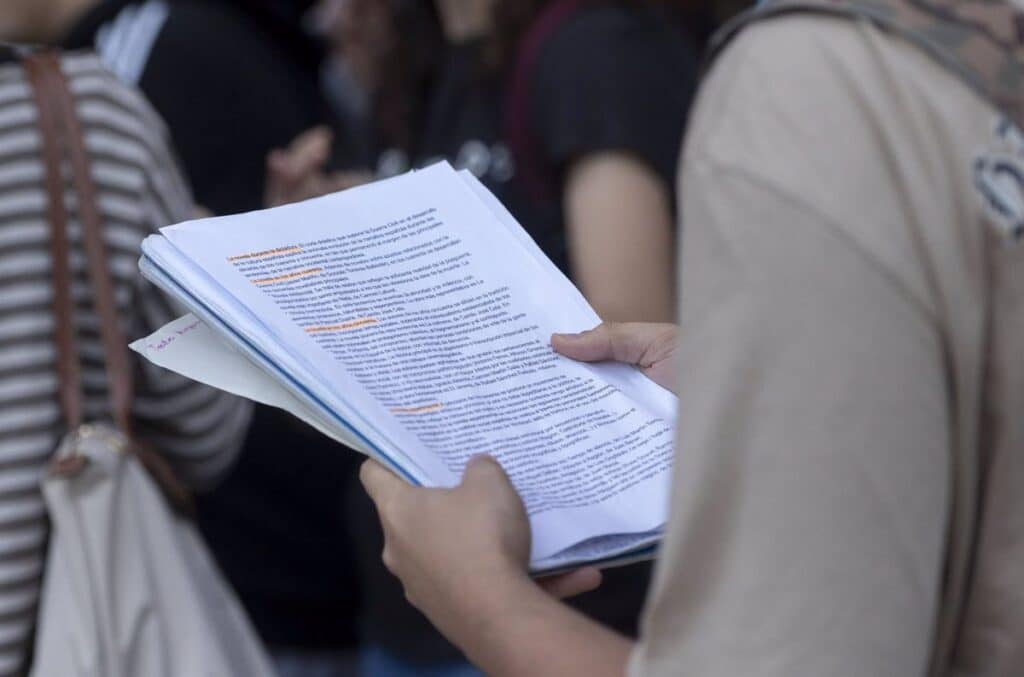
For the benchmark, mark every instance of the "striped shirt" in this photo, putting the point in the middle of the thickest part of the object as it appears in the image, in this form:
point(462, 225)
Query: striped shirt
point(198, 429)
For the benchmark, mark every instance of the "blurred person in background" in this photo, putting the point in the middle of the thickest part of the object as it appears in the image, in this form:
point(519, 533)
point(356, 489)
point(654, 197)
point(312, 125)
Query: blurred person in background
point(572, 112)
point(569, 110)
point(376, 78)
point(234, 79)
point(197, 429)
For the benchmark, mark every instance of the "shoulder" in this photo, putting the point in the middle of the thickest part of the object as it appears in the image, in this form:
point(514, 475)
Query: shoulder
point(111, 107)
point(219, 37)
point(91, 79)
point(617, 60)
point(613, 77)
point(616, 37)
point(861, 128)
point(175, 44)
point(828, 74)
point(810, 98)
point(616, 24)
point(209, 27)
point(130, 146)
point(100, 95)
point(212, 60)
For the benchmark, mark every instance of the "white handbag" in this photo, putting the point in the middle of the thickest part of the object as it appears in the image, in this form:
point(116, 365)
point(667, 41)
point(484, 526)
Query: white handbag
point(129, 588)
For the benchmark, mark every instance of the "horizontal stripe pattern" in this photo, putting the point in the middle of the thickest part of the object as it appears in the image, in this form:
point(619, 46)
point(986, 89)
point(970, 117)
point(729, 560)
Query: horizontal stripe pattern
point(198, 429)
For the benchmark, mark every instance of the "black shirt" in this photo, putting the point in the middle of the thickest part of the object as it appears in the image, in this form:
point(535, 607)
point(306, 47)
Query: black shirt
point(232, 84)
point(610, 78)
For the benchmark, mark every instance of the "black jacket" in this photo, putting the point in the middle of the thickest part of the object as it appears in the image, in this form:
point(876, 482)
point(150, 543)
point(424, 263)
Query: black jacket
point(232, 78)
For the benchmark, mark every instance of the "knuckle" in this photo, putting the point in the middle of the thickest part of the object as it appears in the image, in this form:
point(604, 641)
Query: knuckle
point(385, 512)
point(388, 557)
point(365, 474)
point(495, 473)
point(410, 597)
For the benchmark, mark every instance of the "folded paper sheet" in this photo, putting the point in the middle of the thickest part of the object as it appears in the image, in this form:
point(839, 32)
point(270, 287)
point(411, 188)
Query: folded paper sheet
point(189, 347)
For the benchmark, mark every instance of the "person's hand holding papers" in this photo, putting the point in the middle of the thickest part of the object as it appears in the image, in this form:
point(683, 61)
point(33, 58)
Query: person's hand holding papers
point(478, 533)
point(462, 553)
point(649, 346)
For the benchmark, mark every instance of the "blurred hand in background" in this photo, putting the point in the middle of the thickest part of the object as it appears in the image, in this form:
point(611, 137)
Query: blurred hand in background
point(297, 172)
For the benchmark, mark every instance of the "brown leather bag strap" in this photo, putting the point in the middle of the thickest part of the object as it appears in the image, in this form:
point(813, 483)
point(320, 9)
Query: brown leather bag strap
point(115, 346)
point(68, 368)
point(54, 87)
point(61, 133)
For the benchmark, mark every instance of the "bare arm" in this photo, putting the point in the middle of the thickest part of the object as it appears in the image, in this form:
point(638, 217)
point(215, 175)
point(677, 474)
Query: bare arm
point(523, 631)
point(619, 220)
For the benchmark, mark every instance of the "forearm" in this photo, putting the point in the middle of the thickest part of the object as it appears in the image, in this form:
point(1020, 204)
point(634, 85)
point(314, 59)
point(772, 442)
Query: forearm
point(620, 236)
point(521, 630)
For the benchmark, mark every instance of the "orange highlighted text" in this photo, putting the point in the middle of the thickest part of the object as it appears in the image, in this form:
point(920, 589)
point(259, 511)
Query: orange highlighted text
point(297, 275)
point(344, 326)
point(426, 409)
point(269, 253)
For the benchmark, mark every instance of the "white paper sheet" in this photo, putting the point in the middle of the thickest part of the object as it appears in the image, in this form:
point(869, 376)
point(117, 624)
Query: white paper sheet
point(419, 312)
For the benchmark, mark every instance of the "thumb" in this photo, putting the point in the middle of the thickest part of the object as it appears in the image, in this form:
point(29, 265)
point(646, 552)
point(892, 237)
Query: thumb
point(607, 341)
point(483, 470)
point(379, 482)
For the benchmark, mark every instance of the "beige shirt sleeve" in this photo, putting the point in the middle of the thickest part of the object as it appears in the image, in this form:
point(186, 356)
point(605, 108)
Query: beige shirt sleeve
point(811, 485)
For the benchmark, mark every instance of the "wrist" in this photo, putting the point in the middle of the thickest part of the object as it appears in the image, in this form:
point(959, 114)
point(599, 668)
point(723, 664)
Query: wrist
point(491, 603)
point(501, 590)
point(518, 629)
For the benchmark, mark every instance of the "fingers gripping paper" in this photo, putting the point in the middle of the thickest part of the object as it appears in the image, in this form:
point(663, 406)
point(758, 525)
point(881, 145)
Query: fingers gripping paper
point(410, 320)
